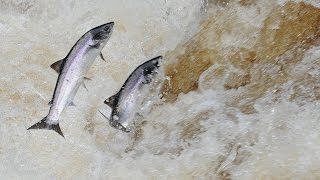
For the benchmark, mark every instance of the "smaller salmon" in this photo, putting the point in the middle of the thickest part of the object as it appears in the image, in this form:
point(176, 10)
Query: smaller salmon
point(125, 102)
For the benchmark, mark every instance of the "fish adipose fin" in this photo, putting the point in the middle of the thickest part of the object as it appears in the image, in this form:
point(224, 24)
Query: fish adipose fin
point(111, 101)
point(44, 125)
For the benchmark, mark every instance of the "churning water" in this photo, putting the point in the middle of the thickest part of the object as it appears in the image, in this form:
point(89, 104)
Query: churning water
point(238, 96)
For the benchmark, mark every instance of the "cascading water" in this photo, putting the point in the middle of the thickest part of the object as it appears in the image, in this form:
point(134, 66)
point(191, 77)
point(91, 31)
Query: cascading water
point(238, 95)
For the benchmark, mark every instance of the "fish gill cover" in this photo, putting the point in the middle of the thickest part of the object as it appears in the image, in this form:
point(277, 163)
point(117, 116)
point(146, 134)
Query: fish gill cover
point(240, 100)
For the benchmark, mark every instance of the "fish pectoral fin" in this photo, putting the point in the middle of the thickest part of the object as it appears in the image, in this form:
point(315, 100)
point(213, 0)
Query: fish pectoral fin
point(104, 115)
point(101, 56)
point(44, 125)
point(83, 82)
point(57, 66)
point(111, 101)
point(72, 104)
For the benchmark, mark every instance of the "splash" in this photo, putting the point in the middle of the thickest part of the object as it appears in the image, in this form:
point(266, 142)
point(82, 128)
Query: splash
point(238, 96)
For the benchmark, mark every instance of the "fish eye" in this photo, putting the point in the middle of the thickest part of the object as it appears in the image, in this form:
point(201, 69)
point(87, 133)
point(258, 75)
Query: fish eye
point(107, 28)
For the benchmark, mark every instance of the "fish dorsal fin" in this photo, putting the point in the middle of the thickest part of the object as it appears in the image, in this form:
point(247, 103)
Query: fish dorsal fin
point(112, 101)
point(57, 66)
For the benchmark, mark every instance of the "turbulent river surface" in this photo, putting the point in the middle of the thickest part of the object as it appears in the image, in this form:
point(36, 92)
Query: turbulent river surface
point(238, 96)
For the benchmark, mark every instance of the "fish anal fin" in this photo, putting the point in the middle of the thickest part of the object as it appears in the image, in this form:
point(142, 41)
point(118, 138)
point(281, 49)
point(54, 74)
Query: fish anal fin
point(57, 66)
point(43, 124)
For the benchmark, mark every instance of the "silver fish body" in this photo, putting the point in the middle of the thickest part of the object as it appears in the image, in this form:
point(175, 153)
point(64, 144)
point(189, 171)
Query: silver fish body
point(124, 103)
point(72, 70)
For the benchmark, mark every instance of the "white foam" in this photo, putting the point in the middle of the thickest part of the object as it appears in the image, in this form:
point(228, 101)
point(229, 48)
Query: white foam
point(199, 135)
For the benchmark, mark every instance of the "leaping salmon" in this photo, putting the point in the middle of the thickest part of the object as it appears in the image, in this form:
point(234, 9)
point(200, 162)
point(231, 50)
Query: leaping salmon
point(124, 103)
point(72, 70)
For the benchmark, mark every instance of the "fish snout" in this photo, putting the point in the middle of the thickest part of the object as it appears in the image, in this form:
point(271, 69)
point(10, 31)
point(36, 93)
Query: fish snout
point(103, 32)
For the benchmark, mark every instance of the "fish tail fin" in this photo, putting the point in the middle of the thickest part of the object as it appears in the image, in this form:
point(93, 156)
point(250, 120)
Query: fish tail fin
point(43, 124)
